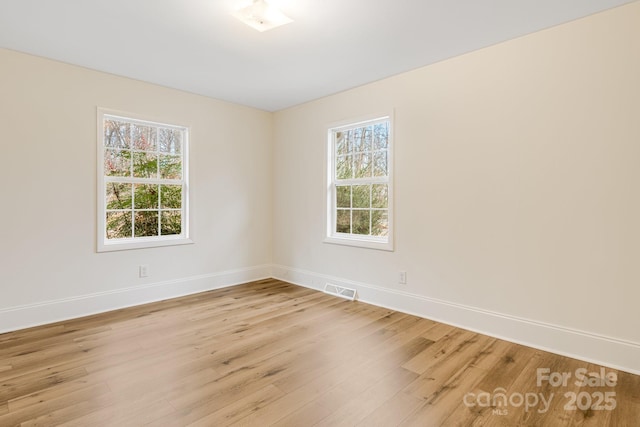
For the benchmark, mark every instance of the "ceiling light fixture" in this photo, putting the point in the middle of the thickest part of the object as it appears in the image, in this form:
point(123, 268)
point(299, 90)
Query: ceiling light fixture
point(261, 15)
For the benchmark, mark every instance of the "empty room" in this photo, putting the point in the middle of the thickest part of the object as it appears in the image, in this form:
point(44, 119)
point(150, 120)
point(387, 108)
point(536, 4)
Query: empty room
point(320, 213)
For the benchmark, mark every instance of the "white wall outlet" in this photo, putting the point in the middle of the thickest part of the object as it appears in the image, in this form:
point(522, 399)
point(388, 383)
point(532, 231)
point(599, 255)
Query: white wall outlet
point(143, 270)
point(402, 278)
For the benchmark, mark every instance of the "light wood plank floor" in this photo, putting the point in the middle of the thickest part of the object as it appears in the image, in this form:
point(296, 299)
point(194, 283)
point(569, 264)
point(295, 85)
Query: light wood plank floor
point(271, 353)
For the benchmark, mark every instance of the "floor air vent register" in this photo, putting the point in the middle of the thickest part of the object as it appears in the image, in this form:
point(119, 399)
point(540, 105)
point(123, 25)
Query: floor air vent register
point(339, 291)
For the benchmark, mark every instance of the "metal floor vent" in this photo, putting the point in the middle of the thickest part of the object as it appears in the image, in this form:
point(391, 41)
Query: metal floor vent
point(339, 291)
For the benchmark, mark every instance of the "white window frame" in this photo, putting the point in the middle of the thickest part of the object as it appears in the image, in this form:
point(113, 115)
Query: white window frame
point(107, 245)
point(330, 235)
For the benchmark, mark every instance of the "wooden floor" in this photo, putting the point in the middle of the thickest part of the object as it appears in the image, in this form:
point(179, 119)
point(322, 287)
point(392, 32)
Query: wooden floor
point(271, 353)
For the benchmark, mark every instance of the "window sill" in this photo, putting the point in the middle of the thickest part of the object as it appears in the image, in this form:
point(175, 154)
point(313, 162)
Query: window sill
point(128, 244)
point(360, 242)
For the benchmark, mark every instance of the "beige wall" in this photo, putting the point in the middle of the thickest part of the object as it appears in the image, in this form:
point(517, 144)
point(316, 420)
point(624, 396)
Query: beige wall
point(517, 185)
point(48, 181)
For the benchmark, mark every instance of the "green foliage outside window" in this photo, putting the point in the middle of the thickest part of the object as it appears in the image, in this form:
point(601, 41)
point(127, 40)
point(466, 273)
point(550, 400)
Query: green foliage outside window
point(361, 172)
point(145, 155)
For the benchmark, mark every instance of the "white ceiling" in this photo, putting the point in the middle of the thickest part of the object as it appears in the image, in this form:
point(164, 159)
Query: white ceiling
point(332, 45)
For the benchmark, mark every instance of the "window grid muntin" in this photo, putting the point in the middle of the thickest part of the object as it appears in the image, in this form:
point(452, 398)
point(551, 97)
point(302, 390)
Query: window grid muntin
point(351, 209)
point(133, 180)
point(370, 180)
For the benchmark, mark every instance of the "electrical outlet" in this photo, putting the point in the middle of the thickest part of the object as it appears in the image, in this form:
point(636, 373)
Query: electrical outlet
point(143, 270)
point(402, 278)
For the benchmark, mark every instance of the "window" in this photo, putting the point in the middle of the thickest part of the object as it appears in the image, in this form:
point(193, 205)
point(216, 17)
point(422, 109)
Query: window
point(359, 184)
point(142, 183)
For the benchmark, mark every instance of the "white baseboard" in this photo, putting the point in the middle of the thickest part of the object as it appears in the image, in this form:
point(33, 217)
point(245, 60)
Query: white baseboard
point(26, 316)
point(602, 350)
